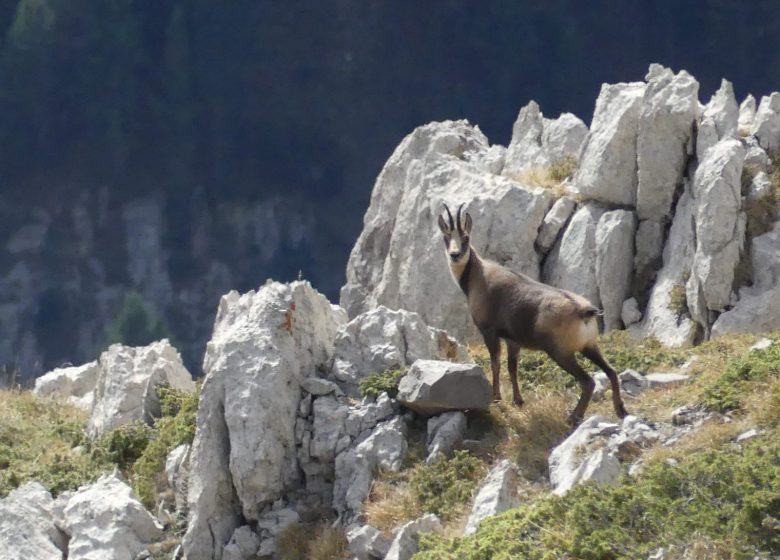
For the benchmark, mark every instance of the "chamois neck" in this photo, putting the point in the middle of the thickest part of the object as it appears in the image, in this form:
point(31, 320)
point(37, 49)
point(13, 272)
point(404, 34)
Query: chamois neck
point(465, 271)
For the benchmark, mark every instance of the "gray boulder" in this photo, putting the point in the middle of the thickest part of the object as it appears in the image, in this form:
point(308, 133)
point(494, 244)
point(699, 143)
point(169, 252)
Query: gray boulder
point(614, 263)
point(243, 545)
point(554, 221)
point(405, 544)
point(497, 493)
point(127, 380)
point(106, 520)
point(720, 229)
point(629, 312)
point(177, 466)
point(399, 262)
point(432, 387)
point(264, 345)
point(571, 264)
point(329, 426)
point(666, 118)
point(382, 339)
point(367, 543)
point(755, 312)
point(445, 431)
point(765, 259)
point(27, 525)
point(608, 169)
point(766, 126)
point(74, 384)
point(747, 115)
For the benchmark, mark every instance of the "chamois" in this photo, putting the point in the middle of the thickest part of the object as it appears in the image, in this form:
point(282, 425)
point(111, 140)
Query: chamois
point(526, 314)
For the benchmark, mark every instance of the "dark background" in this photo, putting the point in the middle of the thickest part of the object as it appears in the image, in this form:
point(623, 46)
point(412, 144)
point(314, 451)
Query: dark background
point(242, 101)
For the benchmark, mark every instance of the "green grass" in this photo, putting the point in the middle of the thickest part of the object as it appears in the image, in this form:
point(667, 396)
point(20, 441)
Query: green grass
point(730, 497)
point(442, 487)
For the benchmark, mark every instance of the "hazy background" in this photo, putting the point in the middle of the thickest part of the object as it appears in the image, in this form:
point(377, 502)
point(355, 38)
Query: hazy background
point(154, 154)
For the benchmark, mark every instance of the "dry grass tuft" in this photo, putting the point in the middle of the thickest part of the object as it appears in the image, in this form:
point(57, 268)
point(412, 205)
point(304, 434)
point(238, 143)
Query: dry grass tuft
point(304, 541)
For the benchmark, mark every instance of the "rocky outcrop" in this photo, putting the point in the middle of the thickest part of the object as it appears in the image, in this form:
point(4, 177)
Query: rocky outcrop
point(538, 142)
point(382, 339)
point(367, 543)
point(608, 171)
point(264, 345)
point(766, 126)
point(127, 380)
point(666, 119)
point(554, 221)
point(404, 546)
point(398, 263)
point(75, 384)
point(497, 493)
point(27, 529)
point(106, 520)
point(614, 263)
point(432, 386)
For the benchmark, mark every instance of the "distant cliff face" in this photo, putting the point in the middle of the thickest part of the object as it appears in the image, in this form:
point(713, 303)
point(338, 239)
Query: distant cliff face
point(66, 270)
point(663, 212)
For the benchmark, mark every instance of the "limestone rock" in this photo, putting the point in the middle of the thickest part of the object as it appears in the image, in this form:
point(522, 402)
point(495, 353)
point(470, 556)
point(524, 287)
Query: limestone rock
point(367, 543)
point(614, 262)
point(382, 339)
point(75, 384)
point(404, 546)
point(431, 387)
point(127, 381)
point(633, 382)
point(384, 448)
point(317, 386)
point(755, 312)
point(444, 433)
point(554, 221)
point(658, 380)
point(571, 264)
point(368, 414)
point(497, 493)
point(649, 244)
point(720, 226)
point(661, 319)
point(762, 344)
point(629, 312)
point(329, 427)
point(538, 142)
point(106, 520)
point(765, 257)
point(766, 126)
point(177, 466)
point(242, 545)
point(399, 262)
point(668, 111)
point(608, 168)
point(723, 111)
point(264, 345)
point(747, 115)
point(27, 526)
point(755, 156)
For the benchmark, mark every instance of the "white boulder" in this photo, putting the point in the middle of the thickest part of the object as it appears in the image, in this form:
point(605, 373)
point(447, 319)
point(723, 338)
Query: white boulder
point(614, 263)
point(264, 345)
point(766, 126)
point(398, 260)
point(75, 384)
point(382, 339)
point(720, 228)
point(554, 221)
point(723, 111)
point(432, 386)
point(765, 258)
point(367, 542)
point(497, 493)
point(405, 544)
point(755, 312)
point(666, 119)
point(445, 431)
point(27, 526)
point(571, 264)
point(177, 466)
point(608, 169)
point(127, 380)
point(243, 545)
point(106, 520)
point(747, 115)
point(629, 312)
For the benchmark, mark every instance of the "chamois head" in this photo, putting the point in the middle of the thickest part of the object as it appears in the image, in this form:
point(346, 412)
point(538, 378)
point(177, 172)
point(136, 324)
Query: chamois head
point(456, 235)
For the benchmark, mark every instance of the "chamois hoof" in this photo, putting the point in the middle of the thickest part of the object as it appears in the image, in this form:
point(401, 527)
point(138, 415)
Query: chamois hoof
point(573, 420)
point(621, 411)
point(497, 398)
point(518, 402)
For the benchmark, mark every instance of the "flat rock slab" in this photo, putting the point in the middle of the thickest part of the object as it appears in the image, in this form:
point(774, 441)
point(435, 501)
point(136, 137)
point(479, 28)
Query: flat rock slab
point(659, 380)
point(433, 386)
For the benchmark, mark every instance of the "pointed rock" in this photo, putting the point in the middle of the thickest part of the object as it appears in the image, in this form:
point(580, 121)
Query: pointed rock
point(497, 493)
point(614, 262)
point(766, 127)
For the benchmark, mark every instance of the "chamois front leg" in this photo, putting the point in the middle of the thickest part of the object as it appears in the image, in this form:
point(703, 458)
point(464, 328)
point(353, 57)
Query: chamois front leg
point(493, 344)
point(594, 355)
point(512, 351)
point(569, 363)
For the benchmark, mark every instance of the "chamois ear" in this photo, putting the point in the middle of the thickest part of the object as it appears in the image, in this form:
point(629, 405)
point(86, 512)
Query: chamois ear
point(445, 229)
point(467, 224)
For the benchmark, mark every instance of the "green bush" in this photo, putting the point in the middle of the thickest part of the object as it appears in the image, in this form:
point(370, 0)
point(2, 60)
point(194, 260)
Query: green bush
point(726, 393)
point(441, 487)
point(387, 381)
point(678, 300)
point(123, 445)
point(728, 496)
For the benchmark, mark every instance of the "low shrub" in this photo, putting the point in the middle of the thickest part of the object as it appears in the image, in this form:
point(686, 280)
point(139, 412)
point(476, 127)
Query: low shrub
point(727, 392)
point(443, 487)
point(386, 381)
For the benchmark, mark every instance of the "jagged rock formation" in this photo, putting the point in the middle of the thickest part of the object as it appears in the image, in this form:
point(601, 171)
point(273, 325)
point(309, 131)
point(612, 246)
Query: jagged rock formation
point(497, 493)
point(655, 214)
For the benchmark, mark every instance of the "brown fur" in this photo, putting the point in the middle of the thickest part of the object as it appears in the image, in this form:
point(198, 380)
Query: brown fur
point(526, 313)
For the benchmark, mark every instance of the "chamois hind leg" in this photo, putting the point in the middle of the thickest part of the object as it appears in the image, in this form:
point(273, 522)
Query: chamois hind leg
point(512, 351)
point(493, 344)
point(569, 363)
point(594, 355)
